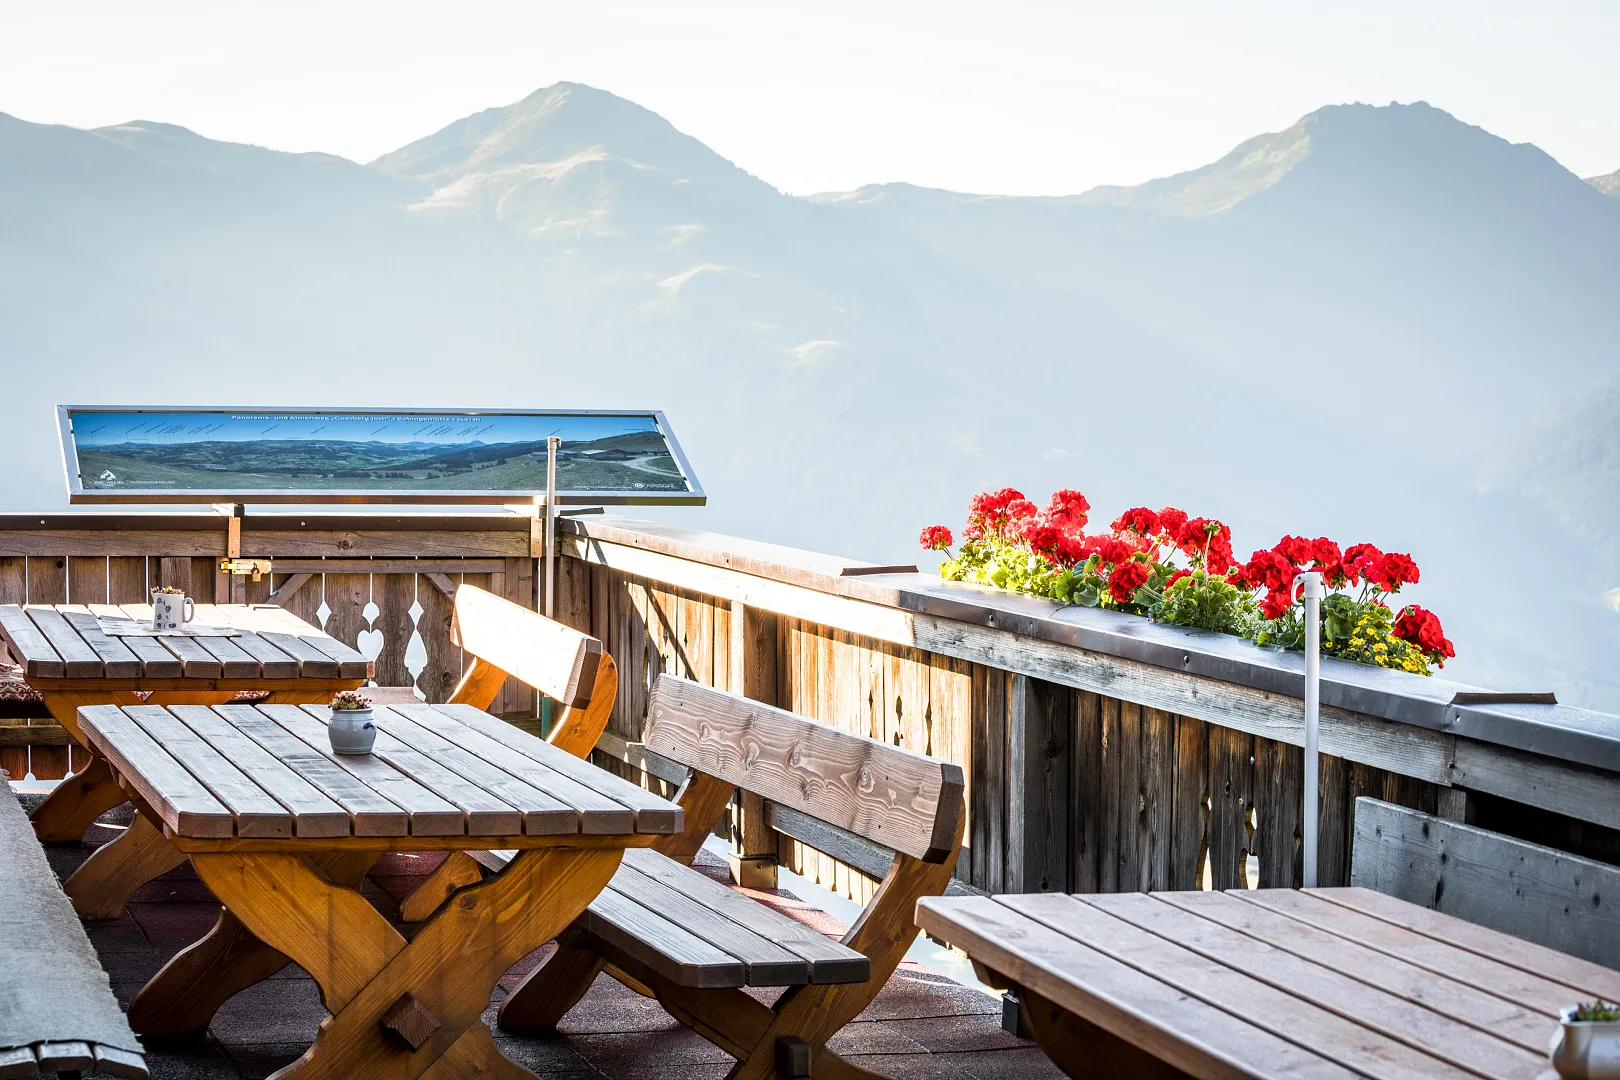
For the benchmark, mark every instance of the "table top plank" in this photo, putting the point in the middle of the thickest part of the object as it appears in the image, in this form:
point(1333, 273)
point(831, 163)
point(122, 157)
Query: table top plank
point(1482, 973)
point(1485, 1012)
point(596, 813)
point(118, 661)
point(1592, 979)
point(1424, 1029)
point(79, 660)
point(430, 814)
point(653, 814)
point(196, 662)
point(312, 662)
point(1326, 1033)
point(542, 814)
point(370, 814)
point(273, 663)
point(234, 661)
point(271, 619)
point(28, 646)
point(314, 814)
point(184, 804)
point(257, 813)
point(1181, 1030)
point(156, 661)
point(485, 814)
point(351, 663)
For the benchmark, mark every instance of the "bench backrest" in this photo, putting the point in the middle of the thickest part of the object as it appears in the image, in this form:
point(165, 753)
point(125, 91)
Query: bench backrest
point(555, 659)
point(893, 797)
point(506, 639)
point(1537, 893)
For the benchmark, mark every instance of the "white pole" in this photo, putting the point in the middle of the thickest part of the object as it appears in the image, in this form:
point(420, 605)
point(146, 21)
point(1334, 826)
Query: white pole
point(1313, 703)
point(552, 445)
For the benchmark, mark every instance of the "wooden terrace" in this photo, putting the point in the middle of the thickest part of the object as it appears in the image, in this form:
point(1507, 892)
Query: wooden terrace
point(1097, 754)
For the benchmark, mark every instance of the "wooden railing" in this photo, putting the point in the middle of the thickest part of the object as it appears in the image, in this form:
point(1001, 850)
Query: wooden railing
point(1101, 755)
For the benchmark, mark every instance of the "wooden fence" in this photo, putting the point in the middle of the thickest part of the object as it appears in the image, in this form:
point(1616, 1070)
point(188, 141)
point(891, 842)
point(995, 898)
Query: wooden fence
point(1086, 772)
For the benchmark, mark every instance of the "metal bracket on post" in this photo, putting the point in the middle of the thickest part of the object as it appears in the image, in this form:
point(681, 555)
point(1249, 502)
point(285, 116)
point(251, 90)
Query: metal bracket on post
point(1310, 817)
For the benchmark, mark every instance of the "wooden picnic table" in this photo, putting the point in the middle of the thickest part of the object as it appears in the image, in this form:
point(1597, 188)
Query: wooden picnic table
point(282, 830)
point(68, 658)
point(1319, 983)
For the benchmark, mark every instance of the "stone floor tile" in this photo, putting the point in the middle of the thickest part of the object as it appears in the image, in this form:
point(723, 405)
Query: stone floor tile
point(919, 1066)
point(678, 1046)
point(255, 1061)
point(914, 992)
point(65, 858)
point(653, 1070)
point(274, 1011)
point(204, 1062)
point(542, 1055)
point(611, 1007)
point(943, 1034)
point(173, 926)
point(871, 1037)
point(122, 934)
point(132, 965)
point(1017, 1063)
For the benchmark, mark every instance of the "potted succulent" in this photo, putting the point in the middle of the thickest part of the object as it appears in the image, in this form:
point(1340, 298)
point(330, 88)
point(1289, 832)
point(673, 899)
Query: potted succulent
point(1587, 1045)
point(350, 728)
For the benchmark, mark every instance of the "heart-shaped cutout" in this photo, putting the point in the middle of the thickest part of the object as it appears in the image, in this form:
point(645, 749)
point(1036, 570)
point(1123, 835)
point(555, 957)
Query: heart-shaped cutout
point(370, 643)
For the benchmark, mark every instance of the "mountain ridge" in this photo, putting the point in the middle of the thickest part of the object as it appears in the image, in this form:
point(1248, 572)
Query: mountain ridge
point(1323, 331)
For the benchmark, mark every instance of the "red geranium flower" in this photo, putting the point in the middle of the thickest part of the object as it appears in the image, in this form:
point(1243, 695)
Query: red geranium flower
point(1392, 571)
point(1422, 628)
point(1171, 520)
point(1141, 521)
point(936, 538)
point(1067, 510)
point(1127, 577)
point(989, 512)
point(1277, 603)
point(1358, 560)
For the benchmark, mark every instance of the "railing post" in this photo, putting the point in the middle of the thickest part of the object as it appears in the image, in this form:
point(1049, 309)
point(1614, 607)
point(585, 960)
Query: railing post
point(1040, 742)
point(754, 675)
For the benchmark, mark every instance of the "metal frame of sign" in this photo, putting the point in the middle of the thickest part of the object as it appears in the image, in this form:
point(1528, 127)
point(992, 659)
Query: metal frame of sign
point(77, 493)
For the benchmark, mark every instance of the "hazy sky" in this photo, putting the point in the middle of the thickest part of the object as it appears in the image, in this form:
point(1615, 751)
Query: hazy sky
point(1012, 97)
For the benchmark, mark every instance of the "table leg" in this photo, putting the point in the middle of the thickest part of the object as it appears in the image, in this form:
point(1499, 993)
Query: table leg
point(180, 1000)
point(1082, 1049)
point(104, 882)
point(398, 1008)
point(74, 804)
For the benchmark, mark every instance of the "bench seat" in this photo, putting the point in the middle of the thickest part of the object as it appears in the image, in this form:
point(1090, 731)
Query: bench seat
point(659, 915)
point(57, 1010)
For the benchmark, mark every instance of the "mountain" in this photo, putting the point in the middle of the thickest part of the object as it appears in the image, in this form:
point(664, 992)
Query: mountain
point(1339, 328)
point(1609, 185)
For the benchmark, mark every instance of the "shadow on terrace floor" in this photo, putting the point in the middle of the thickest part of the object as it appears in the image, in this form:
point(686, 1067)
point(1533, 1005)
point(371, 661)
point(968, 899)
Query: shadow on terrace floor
point(921, 1026)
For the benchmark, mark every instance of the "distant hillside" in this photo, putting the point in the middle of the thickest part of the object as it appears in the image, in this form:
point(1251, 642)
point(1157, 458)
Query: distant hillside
point(1326, 331)
point(1609, 185)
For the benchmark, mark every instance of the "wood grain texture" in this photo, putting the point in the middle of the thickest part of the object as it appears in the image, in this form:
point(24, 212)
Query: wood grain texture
point(179, 798)
point(894, 797)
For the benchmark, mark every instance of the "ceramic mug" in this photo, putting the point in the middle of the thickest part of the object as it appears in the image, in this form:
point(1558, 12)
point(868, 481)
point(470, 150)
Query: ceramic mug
point(171, 611)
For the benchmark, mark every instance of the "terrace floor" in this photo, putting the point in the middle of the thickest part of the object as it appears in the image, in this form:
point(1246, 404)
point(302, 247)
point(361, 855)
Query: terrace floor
point(922, 1025)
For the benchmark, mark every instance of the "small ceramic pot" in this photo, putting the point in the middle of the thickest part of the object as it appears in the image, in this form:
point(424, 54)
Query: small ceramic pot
point(1586, 1049)
point(351, 732)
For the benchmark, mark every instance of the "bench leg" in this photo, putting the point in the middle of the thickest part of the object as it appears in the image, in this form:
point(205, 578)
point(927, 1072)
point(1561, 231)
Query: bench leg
point(181, 999)
point(458, 870)
point(553, 988)
point(104, 882)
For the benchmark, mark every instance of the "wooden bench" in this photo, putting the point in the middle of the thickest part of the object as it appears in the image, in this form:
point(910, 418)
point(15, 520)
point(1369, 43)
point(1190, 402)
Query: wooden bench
point(675, 934)
point(509, 641)
point(1537, 893)
point(57, 1011)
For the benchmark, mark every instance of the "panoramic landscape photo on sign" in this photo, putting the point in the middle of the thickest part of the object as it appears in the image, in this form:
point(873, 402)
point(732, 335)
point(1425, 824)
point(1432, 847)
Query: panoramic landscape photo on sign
point(195, 455)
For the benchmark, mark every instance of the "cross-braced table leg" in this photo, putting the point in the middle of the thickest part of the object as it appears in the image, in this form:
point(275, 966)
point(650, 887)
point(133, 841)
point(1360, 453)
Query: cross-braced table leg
point(104, 882)
point(73, 805)
point(180, 1000)
point(404, 1009)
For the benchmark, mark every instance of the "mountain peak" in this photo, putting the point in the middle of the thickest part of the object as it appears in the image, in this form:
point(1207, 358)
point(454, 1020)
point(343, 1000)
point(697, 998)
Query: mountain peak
point(1609, 185)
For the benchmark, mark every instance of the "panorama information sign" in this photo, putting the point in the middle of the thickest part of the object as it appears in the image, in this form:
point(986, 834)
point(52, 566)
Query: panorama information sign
point(220, 455)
